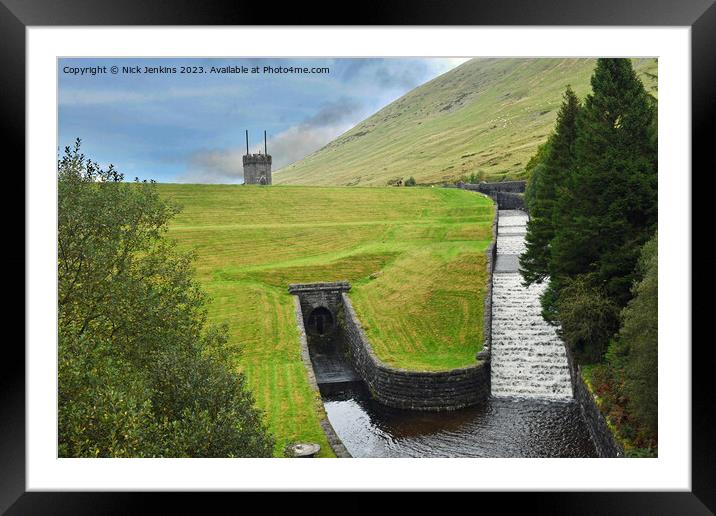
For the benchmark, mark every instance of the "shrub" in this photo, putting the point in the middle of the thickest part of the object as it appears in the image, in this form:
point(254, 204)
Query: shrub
point(588, 319)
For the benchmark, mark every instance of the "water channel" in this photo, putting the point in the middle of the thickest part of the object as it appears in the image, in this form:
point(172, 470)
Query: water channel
point(502, 427)
point(531, 413)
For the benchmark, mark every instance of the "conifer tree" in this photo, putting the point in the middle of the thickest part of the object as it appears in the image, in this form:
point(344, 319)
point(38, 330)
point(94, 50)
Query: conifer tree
point(609, 208)
point(549, 178)
point(533, 171)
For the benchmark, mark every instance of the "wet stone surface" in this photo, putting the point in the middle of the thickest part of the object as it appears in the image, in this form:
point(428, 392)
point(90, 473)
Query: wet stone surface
point(333, 368)
point(507, 263)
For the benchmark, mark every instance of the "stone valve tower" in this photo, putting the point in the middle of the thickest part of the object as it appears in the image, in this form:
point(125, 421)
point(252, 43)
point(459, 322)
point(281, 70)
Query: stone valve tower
point(257, 167)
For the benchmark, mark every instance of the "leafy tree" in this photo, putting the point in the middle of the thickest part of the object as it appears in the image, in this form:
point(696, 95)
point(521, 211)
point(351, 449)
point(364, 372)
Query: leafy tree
point(410, 181)
point(140, 373)
point(639, 332)
point(627, 381)
point(589, 319)
point(609, 208)
point(104, 404)
point(548, 179)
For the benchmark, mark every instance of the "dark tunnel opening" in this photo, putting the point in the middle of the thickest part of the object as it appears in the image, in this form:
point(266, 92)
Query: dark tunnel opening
point(320, 321)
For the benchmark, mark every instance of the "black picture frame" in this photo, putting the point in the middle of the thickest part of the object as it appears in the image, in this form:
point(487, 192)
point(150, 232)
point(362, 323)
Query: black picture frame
point(17, 15)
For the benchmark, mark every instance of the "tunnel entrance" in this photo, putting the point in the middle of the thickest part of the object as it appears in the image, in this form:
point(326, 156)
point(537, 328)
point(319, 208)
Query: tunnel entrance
point(320, 322)
point(321, 310)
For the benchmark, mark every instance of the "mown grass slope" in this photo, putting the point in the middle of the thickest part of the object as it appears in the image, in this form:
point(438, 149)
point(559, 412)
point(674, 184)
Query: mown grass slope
point(415, 257)
point(486, 116)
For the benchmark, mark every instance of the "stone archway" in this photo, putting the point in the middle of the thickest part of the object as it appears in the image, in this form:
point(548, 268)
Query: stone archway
point(320, 321)
point(320, 308)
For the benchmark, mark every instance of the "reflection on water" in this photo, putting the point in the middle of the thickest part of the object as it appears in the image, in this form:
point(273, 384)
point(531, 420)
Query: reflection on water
point(499, 428)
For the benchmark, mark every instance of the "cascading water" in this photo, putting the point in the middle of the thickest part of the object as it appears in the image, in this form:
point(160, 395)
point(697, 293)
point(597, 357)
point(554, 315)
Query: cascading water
point(528, 357)
point(531, 412)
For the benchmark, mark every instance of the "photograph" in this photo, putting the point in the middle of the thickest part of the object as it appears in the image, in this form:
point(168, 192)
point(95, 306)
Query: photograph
point(357, 257)
point(441, 248)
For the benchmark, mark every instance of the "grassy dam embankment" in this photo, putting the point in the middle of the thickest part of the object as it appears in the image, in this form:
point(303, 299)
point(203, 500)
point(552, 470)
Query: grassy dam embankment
point(415, 258)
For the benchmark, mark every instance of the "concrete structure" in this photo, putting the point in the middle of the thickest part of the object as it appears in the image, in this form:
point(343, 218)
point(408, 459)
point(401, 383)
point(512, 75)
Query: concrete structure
point(257, 167)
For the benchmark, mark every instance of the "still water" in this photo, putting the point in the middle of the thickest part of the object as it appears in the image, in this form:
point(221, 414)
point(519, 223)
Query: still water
point(502, 427)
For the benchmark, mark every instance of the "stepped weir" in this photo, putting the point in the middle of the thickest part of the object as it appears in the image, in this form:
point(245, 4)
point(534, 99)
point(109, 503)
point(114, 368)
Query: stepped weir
point(529, 359)
point(531, 411)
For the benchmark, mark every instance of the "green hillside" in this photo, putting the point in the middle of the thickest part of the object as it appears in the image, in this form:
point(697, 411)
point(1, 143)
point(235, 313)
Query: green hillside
point(487, 115)
point(415, 257)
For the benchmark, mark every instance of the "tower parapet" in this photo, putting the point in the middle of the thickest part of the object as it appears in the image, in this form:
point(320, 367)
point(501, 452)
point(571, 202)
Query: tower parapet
point(257, 167)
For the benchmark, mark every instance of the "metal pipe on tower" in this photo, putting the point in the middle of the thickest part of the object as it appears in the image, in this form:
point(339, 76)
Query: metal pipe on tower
point(247, 142)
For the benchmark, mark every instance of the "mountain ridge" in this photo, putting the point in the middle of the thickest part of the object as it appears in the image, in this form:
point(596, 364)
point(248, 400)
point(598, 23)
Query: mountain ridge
point(486, 117)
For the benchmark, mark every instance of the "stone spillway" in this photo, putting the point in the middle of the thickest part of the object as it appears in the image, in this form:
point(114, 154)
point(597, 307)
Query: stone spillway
point(528, 357)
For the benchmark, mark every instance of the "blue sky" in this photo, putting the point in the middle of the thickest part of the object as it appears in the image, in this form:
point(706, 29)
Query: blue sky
point(190, 127)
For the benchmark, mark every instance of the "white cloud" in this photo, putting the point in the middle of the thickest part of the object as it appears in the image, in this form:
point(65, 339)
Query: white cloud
point(226, 165)
point(388, 80)
point(298, 142)
point(330, 120)
point(214, 166)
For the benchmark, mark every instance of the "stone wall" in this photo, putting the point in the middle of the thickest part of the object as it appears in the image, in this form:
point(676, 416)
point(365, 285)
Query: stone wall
point(256, 167)
point(510, 201)
point(602, 436)
point(400, 388)
point(415, 390)
point(321, 295)
point(334, 441)
point(499, 186)
point(317, 295)
point(491, 252)
point(509, 195)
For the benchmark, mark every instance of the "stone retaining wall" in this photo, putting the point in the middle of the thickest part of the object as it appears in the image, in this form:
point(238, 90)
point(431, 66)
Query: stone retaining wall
point(400, 388)
point(510, 200)
point(601, 435)
point(314, 295)
point(415, 390)
point(509, 195)
point(491, 252)
point(333, 440)
point(499, 186)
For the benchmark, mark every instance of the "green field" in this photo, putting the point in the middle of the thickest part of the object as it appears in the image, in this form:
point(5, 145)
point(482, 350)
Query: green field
point(487, 115)
point(415, 258)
